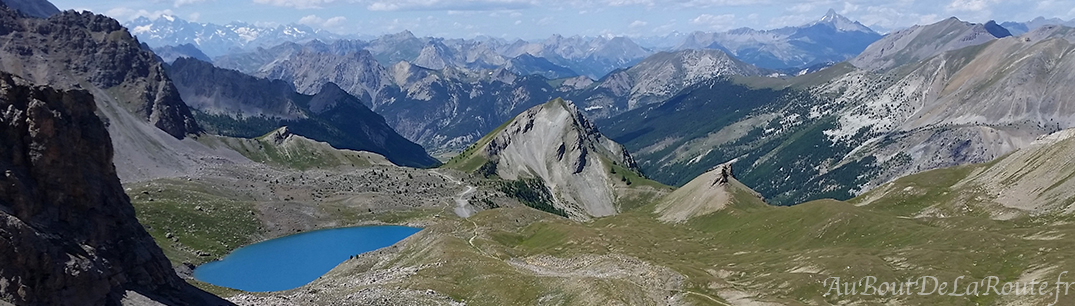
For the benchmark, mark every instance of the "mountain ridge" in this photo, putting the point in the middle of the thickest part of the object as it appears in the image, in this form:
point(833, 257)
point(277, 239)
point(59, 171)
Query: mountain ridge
point(235, 104)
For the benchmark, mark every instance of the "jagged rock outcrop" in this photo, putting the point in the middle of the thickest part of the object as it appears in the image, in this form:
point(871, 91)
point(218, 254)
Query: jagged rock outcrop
point(710, 192)
point(68, 233)
point(555, 143)
point(71, 50)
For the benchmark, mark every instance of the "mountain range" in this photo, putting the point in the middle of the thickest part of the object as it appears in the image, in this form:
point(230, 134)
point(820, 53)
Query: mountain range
point(832, 39)
point(927, 97)
point(679, 177)
point(1018, 28)
point(215, 40)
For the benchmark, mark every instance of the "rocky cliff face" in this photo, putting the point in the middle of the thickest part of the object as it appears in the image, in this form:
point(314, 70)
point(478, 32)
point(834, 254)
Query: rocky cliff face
point(69, 233)
point(555, 143)
point(72, 50)
point(141, 107)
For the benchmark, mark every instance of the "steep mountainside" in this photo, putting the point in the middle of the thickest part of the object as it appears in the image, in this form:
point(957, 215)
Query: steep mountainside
point(33, 8)
point(79, 49)
point(1032, 181)
point(141, 107)
point(70, 233)
point(770, 136)
point(832, 39)
point(920, 42)
point(555, 144)
point(234, 104)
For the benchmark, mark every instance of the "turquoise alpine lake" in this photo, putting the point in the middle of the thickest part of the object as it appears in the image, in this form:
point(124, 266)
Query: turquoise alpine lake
point(292, 261)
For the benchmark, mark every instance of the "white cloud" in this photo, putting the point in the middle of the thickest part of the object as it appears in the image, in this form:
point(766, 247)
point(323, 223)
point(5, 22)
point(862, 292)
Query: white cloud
point(128, 14)
point(179, 3)
point(420, 5)
point(194, 16)
point(715, 22)
point(334, 23)
point(790, 20)
point(629, 2)
point(969, 5)
point(637, 24)
point(299, 4)
point(802, 7)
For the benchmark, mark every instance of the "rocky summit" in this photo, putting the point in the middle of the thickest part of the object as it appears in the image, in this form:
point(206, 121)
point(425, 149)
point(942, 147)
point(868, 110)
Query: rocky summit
point(70, 236)
point(556, 144)
point(73, 50)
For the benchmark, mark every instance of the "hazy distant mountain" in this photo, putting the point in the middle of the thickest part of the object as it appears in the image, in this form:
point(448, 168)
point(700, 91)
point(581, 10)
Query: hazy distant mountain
point(527, 64)
point(171, 53)
point(662, 42)
point(833, 38)
point(593, 57)
point(234, 104)
point(216, 40)
point(1018, 28)
point(655, 79)
point(357, 72)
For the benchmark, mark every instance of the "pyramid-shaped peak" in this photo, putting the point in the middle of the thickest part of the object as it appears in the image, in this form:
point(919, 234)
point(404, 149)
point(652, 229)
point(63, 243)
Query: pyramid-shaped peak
point(841, 23)
point(831, 15)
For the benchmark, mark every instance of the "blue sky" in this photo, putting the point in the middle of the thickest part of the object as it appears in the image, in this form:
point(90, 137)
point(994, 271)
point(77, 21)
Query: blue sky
point(532, 19)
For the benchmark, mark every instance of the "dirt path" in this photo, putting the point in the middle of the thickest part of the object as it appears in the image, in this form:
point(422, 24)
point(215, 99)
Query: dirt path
point(462, 207)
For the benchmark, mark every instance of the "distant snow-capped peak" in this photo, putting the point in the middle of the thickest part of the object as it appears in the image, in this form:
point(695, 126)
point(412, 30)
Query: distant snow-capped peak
point(841, 23)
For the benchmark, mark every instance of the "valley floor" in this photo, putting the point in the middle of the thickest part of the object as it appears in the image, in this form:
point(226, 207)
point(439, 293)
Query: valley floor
point(745, 254)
